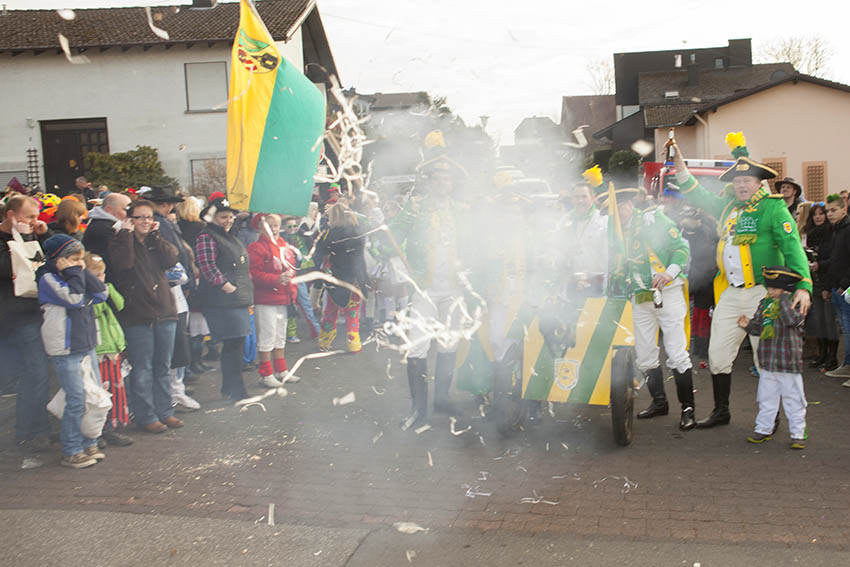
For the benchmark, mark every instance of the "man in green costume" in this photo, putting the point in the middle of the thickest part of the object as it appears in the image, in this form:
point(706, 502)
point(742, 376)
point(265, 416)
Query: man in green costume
point(755, 230)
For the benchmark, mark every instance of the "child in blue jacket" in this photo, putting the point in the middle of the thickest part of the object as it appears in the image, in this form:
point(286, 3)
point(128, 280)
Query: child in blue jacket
point(66, 292)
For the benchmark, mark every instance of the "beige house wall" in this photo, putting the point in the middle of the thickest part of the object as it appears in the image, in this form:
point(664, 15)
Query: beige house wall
point(799, 123)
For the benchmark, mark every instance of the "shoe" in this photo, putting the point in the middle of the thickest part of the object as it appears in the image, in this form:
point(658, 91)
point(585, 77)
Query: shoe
point(270, 382)
point(78, 461)
point(155, 427)
point(173, 422)
point(94, 453)
point(754, 371)
point(185, 403)
point(846, 384)
point(721, 385)
point(40, 444)
point(686, 422)
point(831, 362)
point(842, 371)
point(658, 405)
point(719, 416)
point(116, 439)
point(294, 340)
point(292, 379)
point(758, 438)
point(798, 443)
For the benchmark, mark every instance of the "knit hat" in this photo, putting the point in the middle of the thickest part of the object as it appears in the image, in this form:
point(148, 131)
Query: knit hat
point(61, 245)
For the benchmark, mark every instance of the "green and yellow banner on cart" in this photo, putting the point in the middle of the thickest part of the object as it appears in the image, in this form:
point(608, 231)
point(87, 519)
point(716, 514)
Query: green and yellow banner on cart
point(275, 123)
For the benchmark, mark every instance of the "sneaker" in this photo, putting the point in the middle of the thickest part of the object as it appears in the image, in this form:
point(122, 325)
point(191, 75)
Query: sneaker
point(78, 461)
point(798, 443)
point(754, 372)
point(185, 403)
point(94, 453)
point(842, 371)
point(846, 384)
point(293, 379)
point(173, 422)
point(758, 438)
point(293, 340)
point(270, 382)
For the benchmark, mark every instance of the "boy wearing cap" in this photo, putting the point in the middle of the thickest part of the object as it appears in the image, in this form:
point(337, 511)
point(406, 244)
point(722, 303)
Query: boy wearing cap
point(66, 292)
point(779, 327)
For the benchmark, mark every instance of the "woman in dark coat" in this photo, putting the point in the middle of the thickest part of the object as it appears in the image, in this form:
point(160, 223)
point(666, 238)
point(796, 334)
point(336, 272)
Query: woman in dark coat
point(140, 257)
point(225, 291)
point(820, 321)
point(343, 247)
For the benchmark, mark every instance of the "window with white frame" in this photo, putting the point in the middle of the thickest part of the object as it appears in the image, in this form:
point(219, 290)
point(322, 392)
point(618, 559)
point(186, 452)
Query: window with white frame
point(206, 86)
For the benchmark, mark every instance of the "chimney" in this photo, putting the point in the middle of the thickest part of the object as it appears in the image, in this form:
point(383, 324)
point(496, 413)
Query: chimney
point(740, 52)
point(203, 3)
point(693, 75)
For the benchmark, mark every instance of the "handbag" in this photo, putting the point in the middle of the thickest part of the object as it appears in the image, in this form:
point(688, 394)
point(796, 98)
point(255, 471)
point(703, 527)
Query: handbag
point(98, 402)
point(27, 258)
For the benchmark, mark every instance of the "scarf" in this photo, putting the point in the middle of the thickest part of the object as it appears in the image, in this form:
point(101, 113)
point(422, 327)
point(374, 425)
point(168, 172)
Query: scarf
point(746, 227)
point(770, 312)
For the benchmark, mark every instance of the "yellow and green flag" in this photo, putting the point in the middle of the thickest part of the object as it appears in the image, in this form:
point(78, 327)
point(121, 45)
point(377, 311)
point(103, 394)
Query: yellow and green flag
point(275, 121)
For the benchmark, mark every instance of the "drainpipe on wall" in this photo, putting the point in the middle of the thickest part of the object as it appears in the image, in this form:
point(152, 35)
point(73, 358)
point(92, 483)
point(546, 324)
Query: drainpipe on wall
point(707, 134)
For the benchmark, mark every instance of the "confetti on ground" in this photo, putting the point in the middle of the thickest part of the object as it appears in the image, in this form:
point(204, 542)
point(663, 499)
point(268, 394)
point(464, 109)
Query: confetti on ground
point(422, 429)
point(814, 403)
point(389, 367)
point(482, 475)
point(318, 553)
point(31, 463)
point(481, 438)
point(452, 423)
point(537, 499)
point(430, 460)
point(380, 393)
point(473, 492)
point(216, 410)
point(345, 400)
point(410, 555)
point(271, 513)
point(252, 404)
point(565, 446)
point(376, 437)
point(627, 484)
point(408, 527)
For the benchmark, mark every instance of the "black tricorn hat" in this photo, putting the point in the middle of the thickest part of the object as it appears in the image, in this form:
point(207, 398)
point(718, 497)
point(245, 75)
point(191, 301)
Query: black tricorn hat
point(749, 167)
point(163, 194)
point(780, 277)
point(789, 181)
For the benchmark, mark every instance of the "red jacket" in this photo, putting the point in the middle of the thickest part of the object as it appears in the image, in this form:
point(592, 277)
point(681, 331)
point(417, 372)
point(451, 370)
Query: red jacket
point(266, 267)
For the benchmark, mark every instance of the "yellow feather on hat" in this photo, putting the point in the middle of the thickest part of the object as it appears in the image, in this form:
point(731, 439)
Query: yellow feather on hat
point(434, 139)
point(735, 140)
point(593, 176)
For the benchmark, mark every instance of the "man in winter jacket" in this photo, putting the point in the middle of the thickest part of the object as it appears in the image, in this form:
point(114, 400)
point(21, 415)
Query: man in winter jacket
point(20, 327)
point(835, 266)
point(103, 224)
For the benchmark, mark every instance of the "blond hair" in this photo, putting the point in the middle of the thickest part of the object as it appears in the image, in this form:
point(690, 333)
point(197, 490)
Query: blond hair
point(188, 210)
point(94, 263)
point(69, 213)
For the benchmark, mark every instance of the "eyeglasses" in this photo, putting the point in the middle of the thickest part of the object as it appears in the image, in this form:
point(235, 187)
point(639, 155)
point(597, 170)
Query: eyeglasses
point(147, 218)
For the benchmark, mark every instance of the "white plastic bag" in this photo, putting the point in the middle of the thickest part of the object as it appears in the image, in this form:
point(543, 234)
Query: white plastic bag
point(27, 257)
point(98, 403)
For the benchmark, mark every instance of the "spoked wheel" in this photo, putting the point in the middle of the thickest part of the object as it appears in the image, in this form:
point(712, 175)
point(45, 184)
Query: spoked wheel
point(623, 394)
point(508, 404)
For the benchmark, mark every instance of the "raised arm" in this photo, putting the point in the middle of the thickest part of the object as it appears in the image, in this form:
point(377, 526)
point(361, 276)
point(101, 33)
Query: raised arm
point(694, 193)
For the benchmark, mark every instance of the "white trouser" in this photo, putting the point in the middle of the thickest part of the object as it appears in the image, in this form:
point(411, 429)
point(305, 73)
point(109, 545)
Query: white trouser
point(423, 308)
point(270, 321)
point(788, 387)
point(726, 335)
point(647, 318)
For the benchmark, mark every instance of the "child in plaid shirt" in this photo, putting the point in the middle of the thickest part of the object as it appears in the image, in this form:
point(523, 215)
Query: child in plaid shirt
point(780, 353)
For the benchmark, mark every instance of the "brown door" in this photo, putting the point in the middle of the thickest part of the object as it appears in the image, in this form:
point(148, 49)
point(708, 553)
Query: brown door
point(65, 144)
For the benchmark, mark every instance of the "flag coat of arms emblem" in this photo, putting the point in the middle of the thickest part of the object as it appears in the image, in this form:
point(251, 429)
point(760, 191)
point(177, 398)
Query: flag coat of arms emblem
point(275, 123)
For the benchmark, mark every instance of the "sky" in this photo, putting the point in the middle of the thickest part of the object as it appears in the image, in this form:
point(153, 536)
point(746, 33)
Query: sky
point(508, 60)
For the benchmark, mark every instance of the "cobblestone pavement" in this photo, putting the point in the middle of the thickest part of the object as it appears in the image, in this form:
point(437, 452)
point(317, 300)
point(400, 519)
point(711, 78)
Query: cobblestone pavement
point(351, 466)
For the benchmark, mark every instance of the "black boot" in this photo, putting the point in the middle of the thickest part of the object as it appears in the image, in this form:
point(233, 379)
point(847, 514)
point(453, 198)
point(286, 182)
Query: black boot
point(822, 354)
point(658, 406)
point(417, 370)
point(722, 384)
point(685, 392)
point(831, 362)
point(443, 374)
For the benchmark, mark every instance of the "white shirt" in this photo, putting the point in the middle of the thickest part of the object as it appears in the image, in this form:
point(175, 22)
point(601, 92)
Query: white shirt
point(732, 263)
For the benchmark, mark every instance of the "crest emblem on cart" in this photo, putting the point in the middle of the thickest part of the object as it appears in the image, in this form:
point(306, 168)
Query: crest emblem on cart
point(566, 373)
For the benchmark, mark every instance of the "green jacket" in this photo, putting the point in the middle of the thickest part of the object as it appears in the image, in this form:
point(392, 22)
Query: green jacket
point(652, 241)
point(110, 336)
point(777, 242)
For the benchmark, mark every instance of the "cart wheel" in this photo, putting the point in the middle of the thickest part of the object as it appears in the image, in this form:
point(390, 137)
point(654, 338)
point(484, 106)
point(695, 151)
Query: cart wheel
point(510, 409)
point(622, 395)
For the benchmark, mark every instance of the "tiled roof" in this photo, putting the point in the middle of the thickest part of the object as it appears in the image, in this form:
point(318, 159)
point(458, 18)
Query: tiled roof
point(399, 100)
point(658, 115)
point(713, 84)
point(22, 30)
